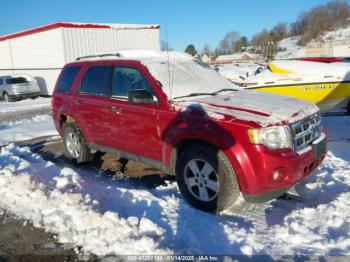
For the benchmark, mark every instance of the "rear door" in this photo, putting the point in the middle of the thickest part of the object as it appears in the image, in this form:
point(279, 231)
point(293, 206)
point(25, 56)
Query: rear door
point(90, 104)
point(61, 97)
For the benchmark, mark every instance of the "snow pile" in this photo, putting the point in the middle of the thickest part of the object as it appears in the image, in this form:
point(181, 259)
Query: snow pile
point(67, 179)
point(23, 193)
point(325, 224)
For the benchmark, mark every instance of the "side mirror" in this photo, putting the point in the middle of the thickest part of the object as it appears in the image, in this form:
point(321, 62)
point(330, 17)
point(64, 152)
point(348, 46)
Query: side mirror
point(140, 96)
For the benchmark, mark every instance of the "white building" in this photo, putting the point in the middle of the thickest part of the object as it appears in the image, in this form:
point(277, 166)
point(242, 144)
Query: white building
point(43, 51)
point(205, 59)
point(329, 48)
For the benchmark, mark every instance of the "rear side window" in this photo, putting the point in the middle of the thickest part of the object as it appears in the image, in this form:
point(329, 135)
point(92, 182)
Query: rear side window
point(16, 80)
point(67, 78)
point(96, 80)
point(1, 81)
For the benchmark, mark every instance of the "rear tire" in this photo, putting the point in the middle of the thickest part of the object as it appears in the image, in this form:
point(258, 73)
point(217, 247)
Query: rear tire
point(206, 178)
point(75, 145)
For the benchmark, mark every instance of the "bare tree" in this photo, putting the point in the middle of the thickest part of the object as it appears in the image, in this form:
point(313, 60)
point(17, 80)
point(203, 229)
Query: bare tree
point(206, 50)
point(313, 23)
point(227, 44)
point(279, 31)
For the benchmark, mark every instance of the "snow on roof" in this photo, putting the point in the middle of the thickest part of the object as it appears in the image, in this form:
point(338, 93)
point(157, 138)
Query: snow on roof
point(180, 73)
point(139, 54)
point(235, 56)
point(27, 76)
point(78, 25)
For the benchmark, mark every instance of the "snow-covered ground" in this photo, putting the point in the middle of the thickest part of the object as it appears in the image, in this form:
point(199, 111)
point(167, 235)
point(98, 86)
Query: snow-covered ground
point(29, 128)
point(31, 104)
point(291, 48)
point(339, 34)
point(25, 120)
point(104, 216)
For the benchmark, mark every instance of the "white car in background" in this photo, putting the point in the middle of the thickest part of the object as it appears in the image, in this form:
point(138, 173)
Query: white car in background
point(16, 87)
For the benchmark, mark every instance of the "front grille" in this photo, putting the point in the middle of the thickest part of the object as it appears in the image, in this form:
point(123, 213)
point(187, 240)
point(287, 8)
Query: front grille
point(306, 131)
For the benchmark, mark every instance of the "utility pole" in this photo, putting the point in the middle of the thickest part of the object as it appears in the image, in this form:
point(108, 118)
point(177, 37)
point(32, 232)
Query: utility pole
point(269, 53)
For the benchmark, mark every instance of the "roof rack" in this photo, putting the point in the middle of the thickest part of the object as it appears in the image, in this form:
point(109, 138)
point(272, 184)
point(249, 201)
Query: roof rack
point(93, 56)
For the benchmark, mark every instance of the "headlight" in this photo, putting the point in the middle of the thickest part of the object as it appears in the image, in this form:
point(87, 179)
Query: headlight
point(276, 137)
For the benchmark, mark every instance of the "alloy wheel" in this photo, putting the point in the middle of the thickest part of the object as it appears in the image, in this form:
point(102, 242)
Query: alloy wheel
point(201, 180)
point(73, 144)
point(6, 98)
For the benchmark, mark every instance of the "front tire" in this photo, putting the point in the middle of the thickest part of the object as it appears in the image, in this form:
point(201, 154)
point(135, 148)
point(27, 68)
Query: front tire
point(206, 179)
point(7, 98)
point(75, 145)
point(34, 97)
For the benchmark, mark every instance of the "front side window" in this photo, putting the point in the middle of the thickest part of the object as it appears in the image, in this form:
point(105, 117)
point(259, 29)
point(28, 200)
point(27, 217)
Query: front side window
point(96, 80)
point(126, 79)
point(67, 78)
point(1, 81)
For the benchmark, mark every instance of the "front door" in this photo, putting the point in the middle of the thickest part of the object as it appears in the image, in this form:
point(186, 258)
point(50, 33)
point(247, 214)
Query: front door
point(134, 127)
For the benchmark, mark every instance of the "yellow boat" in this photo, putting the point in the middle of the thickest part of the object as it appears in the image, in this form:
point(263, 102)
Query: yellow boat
point(327, 85)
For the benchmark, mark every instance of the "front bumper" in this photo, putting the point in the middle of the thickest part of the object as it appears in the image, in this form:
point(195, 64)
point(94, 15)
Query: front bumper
point(258, 169)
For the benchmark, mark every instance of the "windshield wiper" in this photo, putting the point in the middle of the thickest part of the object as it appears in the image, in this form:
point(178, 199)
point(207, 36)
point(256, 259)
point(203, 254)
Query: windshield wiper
point(208, 94)
point(224, 89)
point(196, 94)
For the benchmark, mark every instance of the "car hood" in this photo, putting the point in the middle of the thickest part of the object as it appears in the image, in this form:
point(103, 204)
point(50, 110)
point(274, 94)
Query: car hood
point(264, 109)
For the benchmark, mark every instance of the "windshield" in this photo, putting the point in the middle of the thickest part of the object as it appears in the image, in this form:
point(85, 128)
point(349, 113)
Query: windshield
point(187, 77)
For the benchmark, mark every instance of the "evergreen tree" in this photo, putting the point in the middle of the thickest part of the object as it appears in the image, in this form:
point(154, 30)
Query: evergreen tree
point(190, 49)
point(241, 44)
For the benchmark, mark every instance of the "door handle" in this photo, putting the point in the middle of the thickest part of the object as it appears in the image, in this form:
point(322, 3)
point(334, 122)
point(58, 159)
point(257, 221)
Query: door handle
point(116, 109)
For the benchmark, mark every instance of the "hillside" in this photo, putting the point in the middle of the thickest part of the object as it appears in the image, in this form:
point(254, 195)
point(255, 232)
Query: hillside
point(291, 48)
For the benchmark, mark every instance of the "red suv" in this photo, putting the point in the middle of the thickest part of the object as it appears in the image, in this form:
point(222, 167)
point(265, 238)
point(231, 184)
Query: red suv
point(167, 110)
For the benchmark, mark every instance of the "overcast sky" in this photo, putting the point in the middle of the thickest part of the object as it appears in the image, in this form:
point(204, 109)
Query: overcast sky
point(186, 21)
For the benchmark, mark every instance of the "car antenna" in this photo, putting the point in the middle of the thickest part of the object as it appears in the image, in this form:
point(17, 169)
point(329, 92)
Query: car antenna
point(167, 51)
